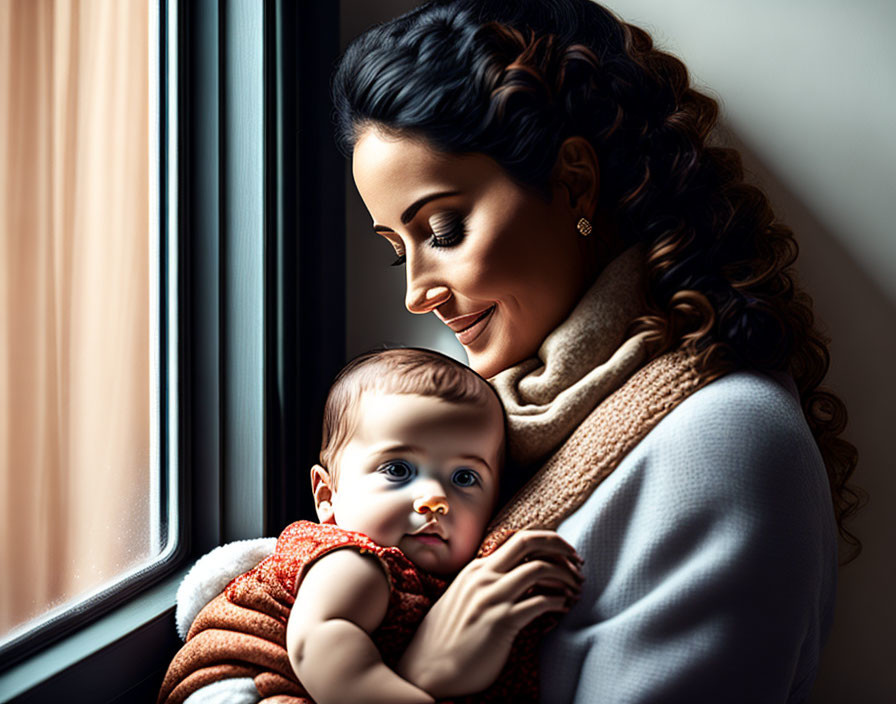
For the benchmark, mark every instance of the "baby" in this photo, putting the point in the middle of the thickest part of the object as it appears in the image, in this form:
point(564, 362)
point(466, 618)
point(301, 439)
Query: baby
point(412, 451)
point(413, 446)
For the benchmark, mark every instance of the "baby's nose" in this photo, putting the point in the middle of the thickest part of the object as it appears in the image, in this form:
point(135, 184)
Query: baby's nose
point(431, 504)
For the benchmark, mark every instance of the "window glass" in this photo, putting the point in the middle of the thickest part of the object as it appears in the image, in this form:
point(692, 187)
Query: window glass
point(81, 497)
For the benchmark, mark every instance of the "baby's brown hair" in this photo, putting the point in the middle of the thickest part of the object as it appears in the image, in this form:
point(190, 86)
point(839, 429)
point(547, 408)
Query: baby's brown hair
point(403, 370)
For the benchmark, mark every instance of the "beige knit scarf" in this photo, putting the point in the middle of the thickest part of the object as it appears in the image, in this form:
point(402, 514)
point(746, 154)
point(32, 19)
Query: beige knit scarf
point(597, 446)
point(587, 400)
point(578, 365)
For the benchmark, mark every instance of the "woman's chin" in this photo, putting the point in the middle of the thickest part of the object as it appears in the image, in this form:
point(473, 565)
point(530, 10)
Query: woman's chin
point(501, 345)
point(488, 365)
point(483, 365)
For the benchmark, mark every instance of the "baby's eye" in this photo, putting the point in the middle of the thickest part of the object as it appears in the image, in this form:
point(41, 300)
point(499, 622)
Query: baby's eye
point(465, 478)
point(397, 470)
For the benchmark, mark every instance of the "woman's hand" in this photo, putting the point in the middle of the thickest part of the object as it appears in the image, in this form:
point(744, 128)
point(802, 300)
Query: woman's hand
point(465, 639)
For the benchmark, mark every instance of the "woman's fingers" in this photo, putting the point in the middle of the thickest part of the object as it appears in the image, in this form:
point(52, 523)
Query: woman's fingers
point(528, 559)
point(531, 608)
point(537, 574)
point(530, 544)
point(470, 630)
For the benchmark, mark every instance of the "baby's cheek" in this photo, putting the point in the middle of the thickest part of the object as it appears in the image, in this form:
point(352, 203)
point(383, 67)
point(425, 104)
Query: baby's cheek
point(350, 515)
point(384, 524)
point(470, 538)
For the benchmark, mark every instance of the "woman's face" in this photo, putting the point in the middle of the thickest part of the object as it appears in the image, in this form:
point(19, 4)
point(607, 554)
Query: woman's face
point(493, 260)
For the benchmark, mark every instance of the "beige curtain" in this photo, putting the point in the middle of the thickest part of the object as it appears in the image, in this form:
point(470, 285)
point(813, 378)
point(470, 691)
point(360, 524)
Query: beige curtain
point(74, 298)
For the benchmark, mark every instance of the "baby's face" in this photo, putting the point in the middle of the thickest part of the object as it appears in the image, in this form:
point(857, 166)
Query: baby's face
point(411, 458)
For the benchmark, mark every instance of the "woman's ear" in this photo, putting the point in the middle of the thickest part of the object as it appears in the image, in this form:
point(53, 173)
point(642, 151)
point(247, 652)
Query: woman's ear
point(322, 488)
point(577, 172)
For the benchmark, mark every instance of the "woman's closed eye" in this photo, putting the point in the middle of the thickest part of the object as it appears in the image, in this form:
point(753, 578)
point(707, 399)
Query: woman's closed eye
point(397, 470)
point(447, 230)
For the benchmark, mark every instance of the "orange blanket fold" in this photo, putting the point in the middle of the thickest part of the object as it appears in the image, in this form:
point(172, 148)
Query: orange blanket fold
point(242, 631)
point(230, 640)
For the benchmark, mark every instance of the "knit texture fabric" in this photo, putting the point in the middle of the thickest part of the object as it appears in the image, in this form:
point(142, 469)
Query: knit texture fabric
point(579, 364)
point(597, 446)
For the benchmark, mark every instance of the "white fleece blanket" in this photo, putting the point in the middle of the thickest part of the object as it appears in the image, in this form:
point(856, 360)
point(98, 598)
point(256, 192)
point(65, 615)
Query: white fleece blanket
point(212, 572)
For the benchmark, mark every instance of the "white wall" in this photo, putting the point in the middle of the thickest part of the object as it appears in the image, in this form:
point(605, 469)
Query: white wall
point(807, 91)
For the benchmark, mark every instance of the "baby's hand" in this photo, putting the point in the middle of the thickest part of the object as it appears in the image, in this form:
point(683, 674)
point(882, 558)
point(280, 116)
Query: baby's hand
point(465, 639)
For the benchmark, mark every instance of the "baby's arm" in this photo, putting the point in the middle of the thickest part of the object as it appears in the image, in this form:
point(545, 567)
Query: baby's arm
point(341, 600)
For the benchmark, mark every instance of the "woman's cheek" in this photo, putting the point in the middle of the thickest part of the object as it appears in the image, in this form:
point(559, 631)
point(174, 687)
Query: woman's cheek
point(492, 274)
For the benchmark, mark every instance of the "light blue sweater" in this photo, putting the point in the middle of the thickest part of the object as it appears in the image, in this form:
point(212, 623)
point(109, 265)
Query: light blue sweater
point(710, 560)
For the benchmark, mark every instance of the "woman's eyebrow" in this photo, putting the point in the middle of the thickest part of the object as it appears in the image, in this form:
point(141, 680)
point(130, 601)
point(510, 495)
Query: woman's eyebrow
point(412, 210)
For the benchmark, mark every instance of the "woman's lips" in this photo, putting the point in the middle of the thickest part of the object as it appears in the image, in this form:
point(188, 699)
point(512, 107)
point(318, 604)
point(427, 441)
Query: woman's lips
point(468, 327)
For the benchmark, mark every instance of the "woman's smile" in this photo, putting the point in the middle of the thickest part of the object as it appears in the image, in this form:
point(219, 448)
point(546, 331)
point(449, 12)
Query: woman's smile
point(468, 327)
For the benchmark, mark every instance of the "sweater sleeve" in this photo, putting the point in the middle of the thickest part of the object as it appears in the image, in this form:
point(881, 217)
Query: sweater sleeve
point(710, 559)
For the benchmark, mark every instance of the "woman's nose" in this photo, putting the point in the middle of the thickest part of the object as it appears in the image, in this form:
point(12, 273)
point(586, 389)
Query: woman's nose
point(431, 504)
point(423, 297)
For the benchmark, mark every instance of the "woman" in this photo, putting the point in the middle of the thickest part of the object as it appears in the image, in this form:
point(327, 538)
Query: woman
point(546, 177)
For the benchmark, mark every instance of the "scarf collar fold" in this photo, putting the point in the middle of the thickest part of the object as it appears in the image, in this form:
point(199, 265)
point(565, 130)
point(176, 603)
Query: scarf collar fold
point(579, 364)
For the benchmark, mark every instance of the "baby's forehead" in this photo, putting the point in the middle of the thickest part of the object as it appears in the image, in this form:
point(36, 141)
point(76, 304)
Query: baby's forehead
point(428, 418)
point(375, 400)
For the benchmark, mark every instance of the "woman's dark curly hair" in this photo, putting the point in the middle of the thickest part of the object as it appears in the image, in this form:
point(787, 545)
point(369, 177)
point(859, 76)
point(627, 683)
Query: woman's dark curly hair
point(513, 80)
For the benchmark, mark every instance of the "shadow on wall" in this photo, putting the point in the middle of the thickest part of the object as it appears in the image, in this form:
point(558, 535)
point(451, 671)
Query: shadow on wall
point(358, 15)
point(861, 320)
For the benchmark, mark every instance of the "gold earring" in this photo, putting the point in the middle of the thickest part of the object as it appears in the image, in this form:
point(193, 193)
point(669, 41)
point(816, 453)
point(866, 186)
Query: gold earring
point(584, 226)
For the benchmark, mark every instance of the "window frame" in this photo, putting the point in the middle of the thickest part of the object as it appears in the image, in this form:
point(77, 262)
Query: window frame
point(260, 314)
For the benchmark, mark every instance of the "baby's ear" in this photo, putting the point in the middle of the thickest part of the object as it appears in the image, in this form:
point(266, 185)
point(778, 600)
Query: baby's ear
point(322, 488)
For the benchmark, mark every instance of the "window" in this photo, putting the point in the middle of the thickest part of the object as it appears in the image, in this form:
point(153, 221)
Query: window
point(250, 315)
point(87, 496)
